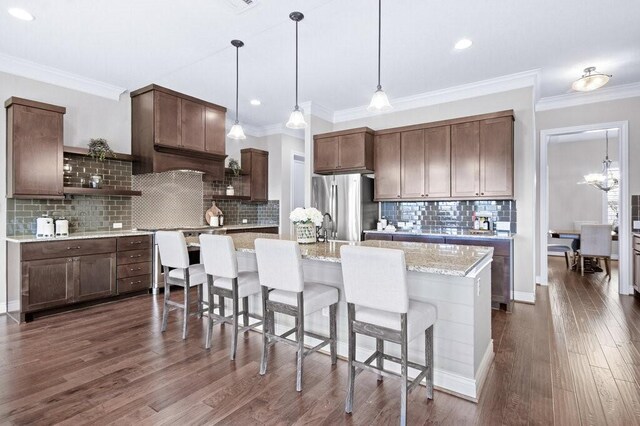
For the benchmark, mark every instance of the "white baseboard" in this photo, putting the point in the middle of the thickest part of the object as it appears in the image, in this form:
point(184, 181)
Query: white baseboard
point(9, 307)
point(524, 296)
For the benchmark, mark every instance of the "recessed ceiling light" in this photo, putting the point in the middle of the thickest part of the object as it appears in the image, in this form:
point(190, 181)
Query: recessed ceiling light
point(255, 102)
point(464, 43)
point(22, 14)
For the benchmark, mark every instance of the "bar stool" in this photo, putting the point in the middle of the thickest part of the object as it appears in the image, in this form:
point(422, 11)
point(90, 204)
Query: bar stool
point(221, 265)
point(174, 254)
point(285, 291)
point(378, 305)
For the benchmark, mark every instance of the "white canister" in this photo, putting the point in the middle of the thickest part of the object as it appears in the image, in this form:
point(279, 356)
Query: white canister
point(215, 221)
point(62, 228)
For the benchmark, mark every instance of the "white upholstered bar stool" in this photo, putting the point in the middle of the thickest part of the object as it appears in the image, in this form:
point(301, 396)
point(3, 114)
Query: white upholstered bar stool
point(595, 242)
point(378, 305)
point(221, 265)
point(174, 254)
point(285, 291)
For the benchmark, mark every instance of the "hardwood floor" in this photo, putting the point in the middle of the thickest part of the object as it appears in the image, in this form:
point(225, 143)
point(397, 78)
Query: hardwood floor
point(573, 358)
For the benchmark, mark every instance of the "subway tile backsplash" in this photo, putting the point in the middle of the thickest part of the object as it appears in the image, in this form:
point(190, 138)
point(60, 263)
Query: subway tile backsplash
point(635, 209)
point(448, 214)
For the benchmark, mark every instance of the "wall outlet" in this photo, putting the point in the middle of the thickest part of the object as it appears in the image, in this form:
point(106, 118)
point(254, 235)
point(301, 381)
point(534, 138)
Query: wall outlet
point(117, 225)
point(636, 224)
point(245, 221)
point(325, 312)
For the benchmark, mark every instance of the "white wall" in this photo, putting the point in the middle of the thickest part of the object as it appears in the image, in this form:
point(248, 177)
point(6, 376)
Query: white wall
point(289, 145)
point(521, 101)
point(87, 117)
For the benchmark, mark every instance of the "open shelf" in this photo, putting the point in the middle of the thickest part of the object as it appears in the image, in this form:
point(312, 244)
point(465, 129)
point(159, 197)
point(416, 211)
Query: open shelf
point(230, 197)
point(74, 190)
point(85, 151)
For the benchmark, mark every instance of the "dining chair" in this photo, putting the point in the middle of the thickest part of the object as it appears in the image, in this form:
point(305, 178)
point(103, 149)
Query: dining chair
point(174, 258)
point(595, 242)
point(378, 306)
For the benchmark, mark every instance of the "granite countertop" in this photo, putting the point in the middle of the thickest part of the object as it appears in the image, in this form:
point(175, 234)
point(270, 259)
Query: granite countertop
point(250, 226)
point(452, 232)
point(78, 236)
point(443, 259)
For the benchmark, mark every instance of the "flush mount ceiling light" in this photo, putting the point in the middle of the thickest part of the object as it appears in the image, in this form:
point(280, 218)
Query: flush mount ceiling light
point(22, 14)
point(236, 131)
point(462, 44)
point(255, 102)
point(590, 80)
point(296, 119)
point(379, 101)
point(607, 179)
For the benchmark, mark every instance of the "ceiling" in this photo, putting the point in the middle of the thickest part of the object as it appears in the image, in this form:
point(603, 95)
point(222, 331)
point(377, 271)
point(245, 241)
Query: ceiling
point(185, 45)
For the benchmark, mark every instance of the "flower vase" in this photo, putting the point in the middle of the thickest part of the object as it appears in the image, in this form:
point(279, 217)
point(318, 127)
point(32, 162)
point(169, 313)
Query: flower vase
point(306, 233)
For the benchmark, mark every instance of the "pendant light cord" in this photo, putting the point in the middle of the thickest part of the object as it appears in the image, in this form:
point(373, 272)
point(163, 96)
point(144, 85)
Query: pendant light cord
point(606, 136)
point(237, 78)
point(297, 66)
point(379, 39)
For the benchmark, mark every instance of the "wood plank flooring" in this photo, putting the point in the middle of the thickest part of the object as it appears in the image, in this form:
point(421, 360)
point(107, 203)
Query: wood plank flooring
point(573, 358)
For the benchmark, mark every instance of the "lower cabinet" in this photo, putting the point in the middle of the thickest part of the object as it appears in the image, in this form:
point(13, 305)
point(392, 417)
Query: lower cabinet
point(47, 283)
point(96, 276)
point(134, 263)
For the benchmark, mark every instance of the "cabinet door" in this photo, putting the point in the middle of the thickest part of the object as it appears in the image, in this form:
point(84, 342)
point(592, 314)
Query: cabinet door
point(636, 270)
point(351, 151)
point(96, 276)
point(167, 120)
point(192, 125)
point(412, 165)
point(326, 154)
point(465, 159)
point(214, 131)
point(387, 166)
point(437, 160)
point(37, 151)
point(47, 283)
point(259, 177)
point(496, 157)
point(431, 239)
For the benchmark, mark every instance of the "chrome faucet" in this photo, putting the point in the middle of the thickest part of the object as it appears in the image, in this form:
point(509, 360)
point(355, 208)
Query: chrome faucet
point(325, 225)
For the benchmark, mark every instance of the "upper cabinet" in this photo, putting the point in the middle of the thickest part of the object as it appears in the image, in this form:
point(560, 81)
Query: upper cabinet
point(173, 131)
point(465, 158)
point(34, 149)
point(255, 164)
point(349, 151)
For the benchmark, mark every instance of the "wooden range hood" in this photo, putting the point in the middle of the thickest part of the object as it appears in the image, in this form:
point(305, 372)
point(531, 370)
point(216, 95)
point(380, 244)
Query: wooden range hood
point(174, 131)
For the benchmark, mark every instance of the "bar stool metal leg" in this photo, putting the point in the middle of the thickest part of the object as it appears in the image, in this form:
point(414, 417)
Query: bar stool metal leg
point(234, 335)
point(199, 313)
point(165, 308)
point(333, 347)
point(209, 311)
point(266, 328)
point(186, 305)
point(221, 307)
point(403, 370)
point(379, 358)
point(352, 355)
point(300, 336)
point(428, 357)
point(245, 311)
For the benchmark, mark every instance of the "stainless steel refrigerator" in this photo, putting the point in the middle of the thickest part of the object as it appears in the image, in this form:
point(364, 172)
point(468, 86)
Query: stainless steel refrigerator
point(349, 201)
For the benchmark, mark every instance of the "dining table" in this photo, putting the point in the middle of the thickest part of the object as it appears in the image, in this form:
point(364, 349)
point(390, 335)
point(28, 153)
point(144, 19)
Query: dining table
point(574, 236)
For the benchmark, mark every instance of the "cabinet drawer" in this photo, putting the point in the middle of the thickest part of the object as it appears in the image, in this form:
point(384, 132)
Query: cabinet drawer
point(67, 248)
point(500, 248)
point(134, 256)
point(127, 285)
point(134, 270)
point(137, 242)
point(636, 243)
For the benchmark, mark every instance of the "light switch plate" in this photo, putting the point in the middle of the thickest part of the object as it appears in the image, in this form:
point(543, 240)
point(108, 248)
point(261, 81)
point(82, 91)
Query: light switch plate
point(636, 224)
point(117, 225)
point(244, 221)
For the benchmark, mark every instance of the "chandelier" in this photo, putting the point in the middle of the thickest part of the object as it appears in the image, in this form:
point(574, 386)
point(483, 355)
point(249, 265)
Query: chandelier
point(607, 179)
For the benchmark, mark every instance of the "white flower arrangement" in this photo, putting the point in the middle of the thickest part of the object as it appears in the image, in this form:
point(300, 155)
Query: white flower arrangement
point(308, 215)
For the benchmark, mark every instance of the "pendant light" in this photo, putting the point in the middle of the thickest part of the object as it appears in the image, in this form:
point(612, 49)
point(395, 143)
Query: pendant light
point(607, 179)
point(590, 80)
point(236, 131)
point(379, 101)
point(296, 119)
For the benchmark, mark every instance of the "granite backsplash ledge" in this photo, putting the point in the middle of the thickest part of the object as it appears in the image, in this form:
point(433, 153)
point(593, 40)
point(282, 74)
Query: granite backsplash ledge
point(448, 214)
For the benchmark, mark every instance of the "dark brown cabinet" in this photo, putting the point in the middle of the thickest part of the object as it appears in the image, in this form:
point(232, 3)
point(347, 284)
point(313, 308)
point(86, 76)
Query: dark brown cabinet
point(96, 277)
point(47, 283)
point(425, 163)
point(255, 164)
point(636, 263)
point(465, 159)
point(387, 166)
point(348, 151)
point(174, 131)
point(134, 266)
point(34, 149)
point(496, 157)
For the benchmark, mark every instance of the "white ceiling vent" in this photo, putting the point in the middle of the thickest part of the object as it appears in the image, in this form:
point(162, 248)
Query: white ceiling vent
point(241, 6)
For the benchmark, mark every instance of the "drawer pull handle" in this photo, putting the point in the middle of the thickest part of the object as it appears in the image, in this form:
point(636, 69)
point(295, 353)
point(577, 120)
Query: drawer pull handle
point(135, 255)
point(135, 269)
point(135, 242)
point(73, 248)
point(135, 282)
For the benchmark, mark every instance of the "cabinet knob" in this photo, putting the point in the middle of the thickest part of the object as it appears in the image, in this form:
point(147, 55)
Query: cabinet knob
point(477, 193)
point(398, 195)
point(482, 193)
point(426, 195)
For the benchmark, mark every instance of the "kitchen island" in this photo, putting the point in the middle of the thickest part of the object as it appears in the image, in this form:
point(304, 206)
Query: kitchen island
point(456, 279)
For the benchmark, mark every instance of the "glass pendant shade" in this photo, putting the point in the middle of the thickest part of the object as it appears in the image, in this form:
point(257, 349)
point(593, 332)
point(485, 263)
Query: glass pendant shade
point(607, 179)
point(379, 102)
point(590, 80)
point(296, 120)
point(236, 132)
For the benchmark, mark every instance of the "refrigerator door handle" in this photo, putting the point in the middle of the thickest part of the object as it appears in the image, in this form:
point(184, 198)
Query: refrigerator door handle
point(333, 208)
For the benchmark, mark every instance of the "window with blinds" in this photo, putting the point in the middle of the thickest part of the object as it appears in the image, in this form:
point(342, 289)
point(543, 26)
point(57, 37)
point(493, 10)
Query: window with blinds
point(613, 201)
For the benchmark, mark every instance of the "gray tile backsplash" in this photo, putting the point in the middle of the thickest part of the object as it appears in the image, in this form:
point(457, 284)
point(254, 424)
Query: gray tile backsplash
point(635, 209)
point(448, 214)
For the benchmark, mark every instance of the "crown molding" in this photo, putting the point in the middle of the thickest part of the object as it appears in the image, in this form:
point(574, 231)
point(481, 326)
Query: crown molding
point(451, 94)
point(320, 111)
point(24, 68)
point(582, 98)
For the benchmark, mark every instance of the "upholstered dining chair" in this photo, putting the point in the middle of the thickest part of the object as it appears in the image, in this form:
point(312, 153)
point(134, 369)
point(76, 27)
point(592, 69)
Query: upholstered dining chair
point(595, 242)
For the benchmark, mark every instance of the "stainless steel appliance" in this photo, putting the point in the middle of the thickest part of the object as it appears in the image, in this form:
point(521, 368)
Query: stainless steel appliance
point(348, 199)
point(188, 231)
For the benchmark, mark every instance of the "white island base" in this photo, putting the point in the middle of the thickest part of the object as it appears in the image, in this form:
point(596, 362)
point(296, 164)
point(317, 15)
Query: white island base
point(463, 348)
